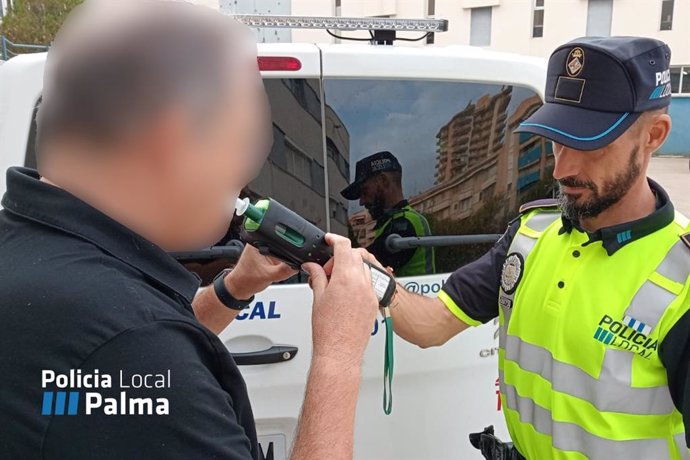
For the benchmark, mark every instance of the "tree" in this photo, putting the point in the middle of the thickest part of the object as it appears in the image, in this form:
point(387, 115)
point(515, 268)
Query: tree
point(35, 21)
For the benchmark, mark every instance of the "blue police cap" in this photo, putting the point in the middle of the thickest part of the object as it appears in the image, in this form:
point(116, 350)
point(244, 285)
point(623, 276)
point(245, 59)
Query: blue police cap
point(596, 87)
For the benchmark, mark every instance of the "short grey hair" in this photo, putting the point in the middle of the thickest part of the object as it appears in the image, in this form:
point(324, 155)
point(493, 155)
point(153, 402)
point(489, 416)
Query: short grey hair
point(116, 64)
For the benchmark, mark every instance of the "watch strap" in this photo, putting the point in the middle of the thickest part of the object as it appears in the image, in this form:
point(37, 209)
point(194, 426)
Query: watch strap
point(225, 297)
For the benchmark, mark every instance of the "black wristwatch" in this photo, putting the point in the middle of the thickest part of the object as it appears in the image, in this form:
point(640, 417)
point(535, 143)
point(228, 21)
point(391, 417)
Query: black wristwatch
point(224, 295)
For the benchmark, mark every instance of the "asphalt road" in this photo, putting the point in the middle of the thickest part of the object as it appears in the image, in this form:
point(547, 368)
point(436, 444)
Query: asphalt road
point(674, 176)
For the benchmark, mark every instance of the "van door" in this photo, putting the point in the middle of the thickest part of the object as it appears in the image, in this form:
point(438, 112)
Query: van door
point(276, 328)
point(447, 117)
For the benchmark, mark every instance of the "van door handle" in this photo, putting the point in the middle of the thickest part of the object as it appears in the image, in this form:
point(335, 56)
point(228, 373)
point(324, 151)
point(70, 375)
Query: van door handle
point(275, 354)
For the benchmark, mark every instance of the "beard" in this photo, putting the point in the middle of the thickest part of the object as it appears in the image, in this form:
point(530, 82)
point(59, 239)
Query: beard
point(602, 197)
point(376, 208)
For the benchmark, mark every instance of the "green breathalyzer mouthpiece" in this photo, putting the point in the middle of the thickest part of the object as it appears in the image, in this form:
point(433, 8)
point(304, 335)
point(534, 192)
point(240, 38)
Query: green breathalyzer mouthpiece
point(254, 212)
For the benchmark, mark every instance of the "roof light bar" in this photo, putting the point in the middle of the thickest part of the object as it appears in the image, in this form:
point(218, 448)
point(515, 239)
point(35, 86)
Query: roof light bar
point(341, 23)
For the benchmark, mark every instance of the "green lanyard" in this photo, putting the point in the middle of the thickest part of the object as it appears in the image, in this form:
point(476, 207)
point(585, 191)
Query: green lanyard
point(388, 364)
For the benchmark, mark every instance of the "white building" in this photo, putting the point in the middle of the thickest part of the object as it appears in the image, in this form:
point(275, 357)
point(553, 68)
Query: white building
point(533, 27)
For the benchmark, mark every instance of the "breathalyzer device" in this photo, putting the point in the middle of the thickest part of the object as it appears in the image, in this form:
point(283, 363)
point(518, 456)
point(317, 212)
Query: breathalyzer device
point(279, 232)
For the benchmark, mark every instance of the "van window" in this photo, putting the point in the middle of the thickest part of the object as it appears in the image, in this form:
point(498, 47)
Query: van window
point(294, 173)
point(420, 158)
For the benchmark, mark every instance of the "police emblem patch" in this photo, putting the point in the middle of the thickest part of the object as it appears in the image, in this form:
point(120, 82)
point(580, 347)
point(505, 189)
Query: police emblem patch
point(575, 62)
point(512, 272)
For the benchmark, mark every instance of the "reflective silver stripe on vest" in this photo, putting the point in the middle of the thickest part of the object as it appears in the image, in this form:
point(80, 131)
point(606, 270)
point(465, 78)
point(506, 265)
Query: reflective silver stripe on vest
point(521, 244)
point(682, 446)
point(608, 393)
point(676, 264)
point(617, 367)
point(648, 305)
point(569, 436)
point(540, 222)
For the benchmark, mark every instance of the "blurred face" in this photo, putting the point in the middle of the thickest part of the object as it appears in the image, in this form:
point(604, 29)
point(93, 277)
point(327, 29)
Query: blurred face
point(372, 196)
point(216, 160)
point(590, 182)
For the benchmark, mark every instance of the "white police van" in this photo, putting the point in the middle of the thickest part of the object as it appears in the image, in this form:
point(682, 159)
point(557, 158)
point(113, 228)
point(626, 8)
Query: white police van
point(447, 114)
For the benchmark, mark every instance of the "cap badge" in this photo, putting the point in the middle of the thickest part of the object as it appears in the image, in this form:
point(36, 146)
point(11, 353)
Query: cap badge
point(575, 62)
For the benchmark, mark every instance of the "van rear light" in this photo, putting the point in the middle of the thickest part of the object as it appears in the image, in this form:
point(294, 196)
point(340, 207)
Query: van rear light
point(279, 63)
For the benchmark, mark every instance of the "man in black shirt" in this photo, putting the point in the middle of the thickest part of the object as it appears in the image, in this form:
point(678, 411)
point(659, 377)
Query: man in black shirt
point(153, 117)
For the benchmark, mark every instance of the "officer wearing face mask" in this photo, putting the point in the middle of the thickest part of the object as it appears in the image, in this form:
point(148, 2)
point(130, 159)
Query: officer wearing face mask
point(378, 187)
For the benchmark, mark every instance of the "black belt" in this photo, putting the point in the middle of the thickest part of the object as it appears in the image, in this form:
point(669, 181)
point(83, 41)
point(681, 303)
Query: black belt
point(493, 448)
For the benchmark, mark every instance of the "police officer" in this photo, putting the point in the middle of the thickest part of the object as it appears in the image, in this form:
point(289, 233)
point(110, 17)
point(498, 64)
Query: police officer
point(592, 290)
point(378, 187)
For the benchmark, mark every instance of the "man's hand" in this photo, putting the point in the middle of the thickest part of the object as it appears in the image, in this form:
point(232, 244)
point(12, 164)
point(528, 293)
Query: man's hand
point(255, 272)
point(344, 306)
point(343, 313)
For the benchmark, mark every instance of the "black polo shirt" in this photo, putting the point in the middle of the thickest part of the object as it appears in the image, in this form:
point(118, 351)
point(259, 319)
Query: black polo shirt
point(81, 298)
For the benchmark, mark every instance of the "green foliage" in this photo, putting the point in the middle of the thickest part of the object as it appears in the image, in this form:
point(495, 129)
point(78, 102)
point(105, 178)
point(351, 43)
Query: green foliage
point(35, 21)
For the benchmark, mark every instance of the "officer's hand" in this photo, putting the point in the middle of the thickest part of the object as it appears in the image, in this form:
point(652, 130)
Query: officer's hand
point(345, 305)
point(255, 272)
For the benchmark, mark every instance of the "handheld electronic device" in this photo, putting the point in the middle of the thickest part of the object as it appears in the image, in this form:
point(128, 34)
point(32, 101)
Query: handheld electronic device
point(279, 232)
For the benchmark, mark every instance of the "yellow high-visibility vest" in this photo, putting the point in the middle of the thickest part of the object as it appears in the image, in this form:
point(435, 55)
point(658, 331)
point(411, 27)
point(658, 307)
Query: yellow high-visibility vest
point(423, 261)
point(580, 374)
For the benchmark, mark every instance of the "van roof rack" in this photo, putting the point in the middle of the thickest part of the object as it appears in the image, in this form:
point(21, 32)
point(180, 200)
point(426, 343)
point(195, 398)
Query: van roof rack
point(382, 30)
